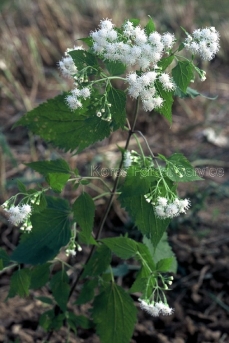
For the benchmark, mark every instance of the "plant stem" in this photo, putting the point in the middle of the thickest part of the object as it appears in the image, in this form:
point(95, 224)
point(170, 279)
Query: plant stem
point(57, 309)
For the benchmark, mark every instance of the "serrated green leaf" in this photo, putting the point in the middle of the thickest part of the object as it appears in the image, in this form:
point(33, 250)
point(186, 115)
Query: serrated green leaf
point(115, 68)
point(114, 306)
point(165, 264)
point(58, 166)
point(162, 251)
point(56, 172)
point(50, 232)
point(60, 289)
point(123, 247)
point(165, 62)
point(4, 257)
point(117, 99)
point(83, 59)
point(179, 169)
point(48, 321)
point(19, 283)
point(150, 27)
point(99, 262)
point(183, 74)
point(87, 292)
point(144, 217)
point(84, 212)
point(39, 276)
point(56, 123)
point(166, 108)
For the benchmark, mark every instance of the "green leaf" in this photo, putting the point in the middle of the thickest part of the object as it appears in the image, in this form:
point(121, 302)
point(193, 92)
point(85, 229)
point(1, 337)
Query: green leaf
point(117, 99)
point(60, 289)
point(123, 247)
point(115, 68)
point(150, 27)
point(114, 314)
point(49, 321)
point(183, 74)
point(56, 123)
point(50, 232)
point(165, 62)
point(192, 93)
point(21, 187)
point(165, 264)
point(83, 59)
point(87, 292)
point(166, 108)
point(4, 258)
point(39, 276)
point(144, 217)
point(84, 212)
point(81, 321)
point(162, 251)
point(179, 169)
point(19, 283)
point(137, 181)
point(56, 172)
point(45, 300)
point(87, 40)
point(134, 21)
point(99, 262)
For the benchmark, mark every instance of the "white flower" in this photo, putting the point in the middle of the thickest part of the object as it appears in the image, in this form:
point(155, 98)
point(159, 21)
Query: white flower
point(172, 210)
point(19, 214)
point(205, 42)
point(166, 81)
point(157, 308)
point(67, 66)
point(168, 40)
point(155, 38)
point(158, 101)
point(26, 209)
point(184, 205)
point(85, 92)
point(164, 309)
point(149, 308)
point(162, 201)
point(160, 211)
point(106, 24)
point(73, 102)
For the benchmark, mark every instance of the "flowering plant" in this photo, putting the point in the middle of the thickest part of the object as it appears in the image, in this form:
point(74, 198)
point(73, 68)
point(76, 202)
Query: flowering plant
point(152, 72)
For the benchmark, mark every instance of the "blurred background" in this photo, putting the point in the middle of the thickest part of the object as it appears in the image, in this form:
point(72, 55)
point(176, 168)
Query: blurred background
point(33, 38)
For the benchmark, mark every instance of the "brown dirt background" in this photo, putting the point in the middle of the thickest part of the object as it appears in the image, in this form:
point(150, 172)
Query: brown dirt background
point(33, 37)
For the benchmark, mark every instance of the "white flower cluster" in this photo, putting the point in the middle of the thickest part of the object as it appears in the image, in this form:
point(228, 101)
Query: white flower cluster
point(204, 42)
point(131, 47)
point(73, 100)
point(18, 214)
point(66, 64)
point(165, 209)
point(144, 86)
point(157, 308)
